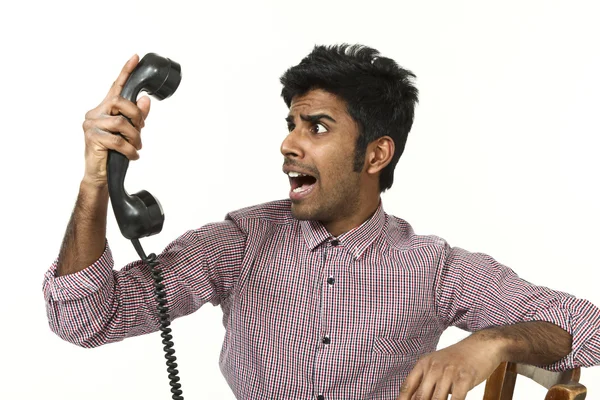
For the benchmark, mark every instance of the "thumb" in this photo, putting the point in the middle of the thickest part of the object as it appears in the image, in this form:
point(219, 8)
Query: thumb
point(143, 104)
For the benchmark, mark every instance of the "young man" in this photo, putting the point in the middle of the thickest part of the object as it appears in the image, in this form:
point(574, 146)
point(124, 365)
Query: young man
point(324, 295)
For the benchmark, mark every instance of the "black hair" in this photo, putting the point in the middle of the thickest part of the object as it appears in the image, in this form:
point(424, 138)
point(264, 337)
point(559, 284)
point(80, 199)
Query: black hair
point(379, 95)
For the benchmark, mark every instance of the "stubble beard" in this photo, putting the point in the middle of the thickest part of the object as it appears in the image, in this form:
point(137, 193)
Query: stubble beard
point(342, 201)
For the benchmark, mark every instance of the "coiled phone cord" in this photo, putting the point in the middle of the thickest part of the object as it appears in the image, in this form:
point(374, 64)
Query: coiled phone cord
point(163, 312)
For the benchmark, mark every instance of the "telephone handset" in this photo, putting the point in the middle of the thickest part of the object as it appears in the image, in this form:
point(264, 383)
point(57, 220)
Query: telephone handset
point(140, 214)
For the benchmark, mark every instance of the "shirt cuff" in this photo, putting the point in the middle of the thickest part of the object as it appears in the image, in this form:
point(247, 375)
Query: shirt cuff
point(580, 318)
point(560, 318)
point(79, 284)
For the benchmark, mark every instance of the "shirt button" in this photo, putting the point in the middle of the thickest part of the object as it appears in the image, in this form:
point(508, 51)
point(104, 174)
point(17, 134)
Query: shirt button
point(326, 340)
point(330, 280)
point(320, 397)
point(335, 242)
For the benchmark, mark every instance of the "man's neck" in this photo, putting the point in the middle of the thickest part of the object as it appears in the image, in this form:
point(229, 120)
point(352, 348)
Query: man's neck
point(340, 226)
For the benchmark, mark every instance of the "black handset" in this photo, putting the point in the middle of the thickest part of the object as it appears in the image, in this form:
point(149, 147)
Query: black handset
point(140, 215)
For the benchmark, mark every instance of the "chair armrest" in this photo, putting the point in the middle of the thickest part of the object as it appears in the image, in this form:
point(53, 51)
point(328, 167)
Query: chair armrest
point(567, 391)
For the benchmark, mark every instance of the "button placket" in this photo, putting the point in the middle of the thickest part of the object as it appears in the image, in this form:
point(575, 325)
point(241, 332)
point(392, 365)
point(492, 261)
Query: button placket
point(329, 269)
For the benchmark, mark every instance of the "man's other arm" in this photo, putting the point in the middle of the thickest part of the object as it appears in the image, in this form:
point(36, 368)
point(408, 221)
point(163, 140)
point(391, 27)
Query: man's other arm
point(513, 320)
point(534, 343)
point(459, 368)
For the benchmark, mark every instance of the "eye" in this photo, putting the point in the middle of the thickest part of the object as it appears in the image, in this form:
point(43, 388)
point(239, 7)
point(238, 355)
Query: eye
point(318, 128)
point(291, 127)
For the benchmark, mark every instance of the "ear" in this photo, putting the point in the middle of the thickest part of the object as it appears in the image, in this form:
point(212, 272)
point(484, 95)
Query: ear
point(379, 154)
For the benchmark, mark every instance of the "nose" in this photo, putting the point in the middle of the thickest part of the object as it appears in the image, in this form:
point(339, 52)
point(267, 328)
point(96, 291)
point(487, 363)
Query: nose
point(291, 146)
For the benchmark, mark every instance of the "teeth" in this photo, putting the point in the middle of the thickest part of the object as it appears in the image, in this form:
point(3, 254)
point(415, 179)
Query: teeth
point(298, 189)
point(294, 174)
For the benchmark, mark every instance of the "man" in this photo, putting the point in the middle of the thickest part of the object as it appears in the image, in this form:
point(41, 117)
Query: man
point(324, 295)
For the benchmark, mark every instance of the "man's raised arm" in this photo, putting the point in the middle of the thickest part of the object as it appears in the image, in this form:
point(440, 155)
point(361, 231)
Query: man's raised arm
point(84, 240)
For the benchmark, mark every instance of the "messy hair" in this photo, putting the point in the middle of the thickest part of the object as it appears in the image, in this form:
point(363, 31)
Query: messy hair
point(380, 95)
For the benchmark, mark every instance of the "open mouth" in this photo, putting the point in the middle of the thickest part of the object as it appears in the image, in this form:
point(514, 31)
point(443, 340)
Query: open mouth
point(301, 183)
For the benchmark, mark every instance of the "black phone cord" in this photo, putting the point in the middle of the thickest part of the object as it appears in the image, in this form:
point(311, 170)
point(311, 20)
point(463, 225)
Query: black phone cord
point(163, 312)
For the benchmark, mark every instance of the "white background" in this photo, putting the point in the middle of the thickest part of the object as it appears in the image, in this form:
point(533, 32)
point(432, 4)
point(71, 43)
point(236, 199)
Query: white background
point(502, 158)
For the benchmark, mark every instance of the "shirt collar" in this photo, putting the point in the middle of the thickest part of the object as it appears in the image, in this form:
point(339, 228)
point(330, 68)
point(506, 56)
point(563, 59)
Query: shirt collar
point(356, 240)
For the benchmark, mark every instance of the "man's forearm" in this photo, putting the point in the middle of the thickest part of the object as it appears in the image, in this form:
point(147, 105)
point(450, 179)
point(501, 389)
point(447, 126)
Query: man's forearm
point(534, 343)
point(85, 237)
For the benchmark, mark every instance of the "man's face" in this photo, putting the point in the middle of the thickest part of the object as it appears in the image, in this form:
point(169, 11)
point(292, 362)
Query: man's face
point(321, 145)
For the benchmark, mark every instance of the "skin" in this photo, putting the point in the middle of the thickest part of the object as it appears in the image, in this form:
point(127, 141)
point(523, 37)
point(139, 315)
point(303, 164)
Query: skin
point(342, 199)
point(85, 235)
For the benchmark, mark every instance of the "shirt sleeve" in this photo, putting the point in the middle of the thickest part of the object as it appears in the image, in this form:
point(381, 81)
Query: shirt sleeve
point(474, 291)
point(99, 305)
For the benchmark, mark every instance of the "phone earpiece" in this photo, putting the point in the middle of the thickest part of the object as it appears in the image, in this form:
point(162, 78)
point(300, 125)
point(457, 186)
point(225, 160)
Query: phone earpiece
point(156, 75)
point(140, 215)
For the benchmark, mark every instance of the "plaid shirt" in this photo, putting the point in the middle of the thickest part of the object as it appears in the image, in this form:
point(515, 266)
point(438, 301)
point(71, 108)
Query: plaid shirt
point(310, 316)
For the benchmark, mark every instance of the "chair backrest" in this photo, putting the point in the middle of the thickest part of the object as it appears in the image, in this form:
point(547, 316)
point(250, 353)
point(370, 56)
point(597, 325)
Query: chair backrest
point(561, 385)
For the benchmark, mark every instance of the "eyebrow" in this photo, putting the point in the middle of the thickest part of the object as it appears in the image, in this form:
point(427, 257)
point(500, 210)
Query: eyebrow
point(310, 118)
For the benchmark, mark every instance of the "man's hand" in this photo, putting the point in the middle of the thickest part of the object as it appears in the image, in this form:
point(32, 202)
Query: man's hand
point(104, 120)
point(454, 370)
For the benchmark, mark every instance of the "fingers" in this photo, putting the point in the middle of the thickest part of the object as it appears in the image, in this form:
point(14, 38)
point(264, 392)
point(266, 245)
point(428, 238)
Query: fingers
point(114, 104)
point(112, 132)
point(100, 140)
point(423, 388)
point(118, 84)
point(411, 384)
point(442, 388)
point(431, 380)
point(116, 124)
point(118, 105)
point(461, 387)
point(143, 104)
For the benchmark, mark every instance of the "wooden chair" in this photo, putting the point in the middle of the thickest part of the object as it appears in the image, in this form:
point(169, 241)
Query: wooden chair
point(561, 385)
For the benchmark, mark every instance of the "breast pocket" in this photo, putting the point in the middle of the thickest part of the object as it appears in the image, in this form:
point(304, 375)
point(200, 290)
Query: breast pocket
point(409, 348)
point(392, 360)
